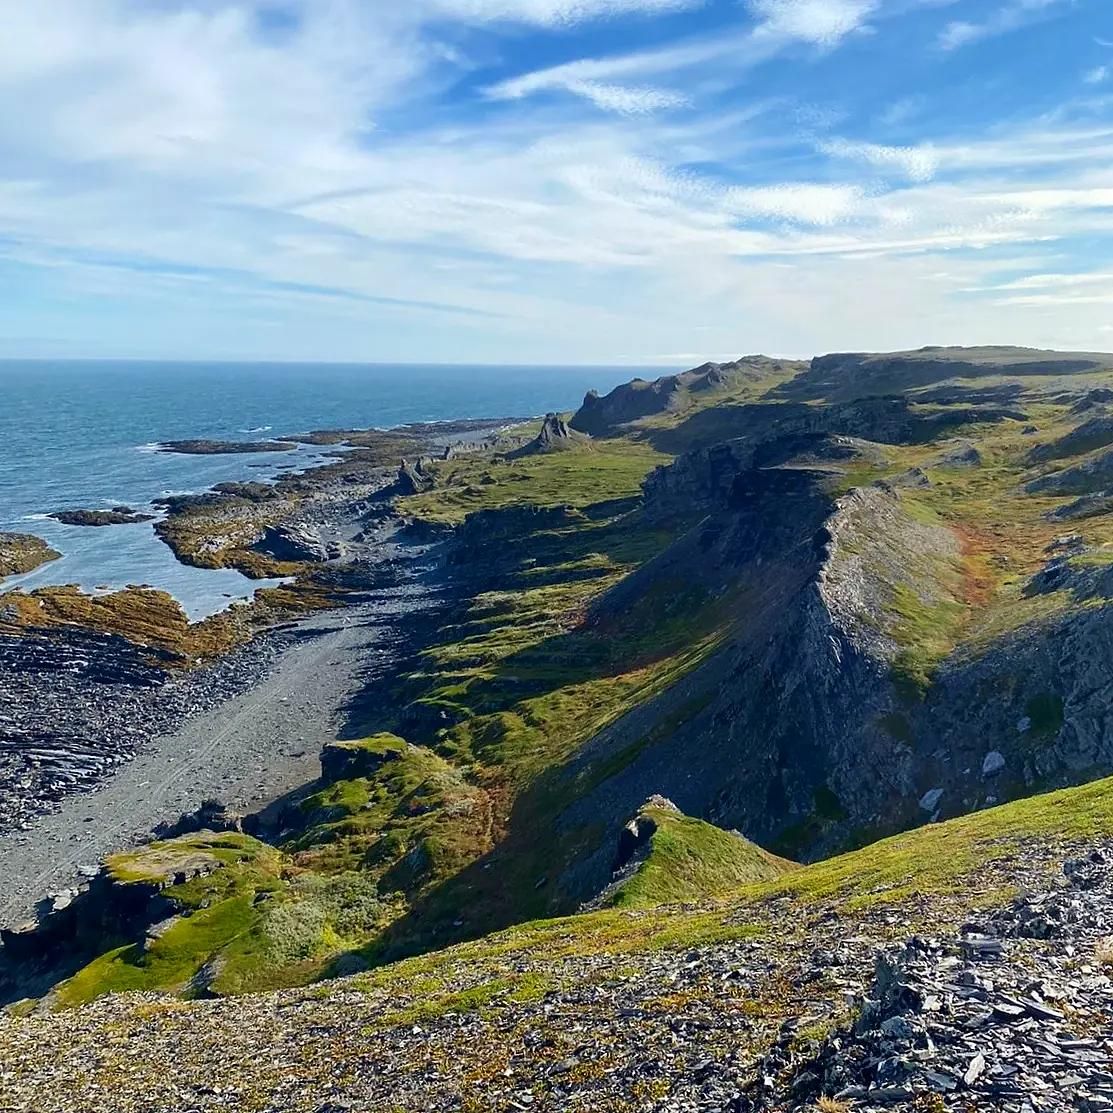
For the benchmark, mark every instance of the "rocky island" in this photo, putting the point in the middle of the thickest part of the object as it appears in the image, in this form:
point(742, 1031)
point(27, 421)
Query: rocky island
point(738, 742)
point(117, 516)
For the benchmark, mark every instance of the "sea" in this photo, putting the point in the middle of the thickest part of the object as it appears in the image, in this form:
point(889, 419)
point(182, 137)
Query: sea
point(84, 435)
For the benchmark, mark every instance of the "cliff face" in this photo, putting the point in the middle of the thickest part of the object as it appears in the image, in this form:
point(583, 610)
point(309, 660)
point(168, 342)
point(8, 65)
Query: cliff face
point(784, 732)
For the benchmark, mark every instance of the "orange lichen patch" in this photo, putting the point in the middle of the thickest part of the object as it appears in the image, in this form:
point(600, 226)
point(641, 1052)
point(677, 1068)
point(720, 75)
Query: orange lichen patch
point(156, 620)
point(979, 581)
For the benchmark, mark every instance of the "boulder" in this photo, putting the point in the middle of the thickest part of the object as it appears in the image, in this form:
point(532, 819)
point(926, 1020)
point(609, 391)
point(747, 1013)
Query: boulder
point(296, 543)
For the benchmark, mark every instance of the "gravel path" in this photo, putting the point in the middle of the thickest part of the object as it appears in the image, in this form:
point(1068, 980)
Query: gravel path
point(247, 751)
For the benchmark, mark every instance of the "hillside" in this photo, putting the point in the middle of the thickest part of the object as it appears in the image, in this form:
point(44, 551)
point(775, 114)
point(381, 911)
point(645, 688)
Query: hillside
point(759, 614)
point(744, 1003)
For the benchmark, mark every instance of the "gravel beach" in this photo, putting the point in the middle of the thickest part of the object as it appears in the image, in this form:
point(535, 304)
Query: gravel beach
point(246, 751)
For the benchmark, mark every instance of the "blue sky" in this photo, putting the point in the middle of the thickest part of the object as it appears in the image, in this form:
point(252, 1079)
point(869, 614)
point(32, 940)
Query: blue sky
point(551, 181)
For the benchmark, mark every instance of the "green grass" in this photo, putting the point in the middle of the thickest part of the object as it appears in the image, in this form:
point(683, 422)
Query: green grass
point(690, 860)
point(939, 858)
point(614, 469)
point(926, 633)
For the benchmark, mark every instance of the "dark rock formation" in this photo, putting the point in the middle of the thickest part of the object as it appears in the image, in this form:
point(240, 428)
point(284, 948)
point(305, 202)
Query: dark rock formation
point(117, 516)
point(344, 761)
point(1087, 437)
point(1091, 476)
point(556, 436)
point(962, 454)
point(1088, 506)
point(416, 477)
point(223, 448)
point(212, 815)
point(297, 542)
point(845, 375)
point(830, 434)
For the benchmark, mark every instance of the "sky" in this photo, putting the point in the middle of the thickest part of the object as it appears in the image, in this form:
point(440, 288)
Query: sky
point(552, 181)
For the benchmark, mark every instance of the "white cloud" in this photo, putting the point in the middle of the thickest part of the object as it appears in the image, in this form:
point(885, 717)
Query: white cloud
point(553, 13)
point(627, 100)
point(820, 205)
point(918, 164)
point(823, 22)
point(233, 182)
point(1097, 75)
point(1010, 17)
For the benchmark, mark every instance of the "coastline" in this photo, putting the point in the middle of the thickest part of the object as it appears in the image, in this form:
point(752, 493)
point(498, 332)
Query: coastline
point(106, 733)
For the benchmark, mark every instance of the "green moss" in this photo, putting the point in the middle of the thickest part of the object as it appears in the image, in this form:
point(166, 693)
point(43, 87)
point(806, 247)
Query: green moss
point(926, 632)
point(897, 726)
point(167, 962)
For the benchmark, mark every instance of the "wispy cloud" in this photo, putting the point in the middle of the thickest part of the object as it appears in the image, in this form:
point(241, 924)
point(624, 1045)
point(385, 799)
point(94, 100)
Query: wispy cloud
point(918, 164)
point(554, 13)
point(1097, 76)
point(1010, 17)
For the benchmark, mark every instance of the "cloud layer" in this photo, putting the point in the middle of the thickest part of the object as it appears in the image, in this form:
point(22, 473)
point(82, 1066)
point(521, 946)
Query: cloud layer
point(545, 180)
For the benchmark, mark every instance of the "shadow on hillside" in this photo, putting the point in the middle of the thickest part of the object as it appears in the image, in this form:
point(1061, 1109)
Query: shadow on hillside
point(724, 422)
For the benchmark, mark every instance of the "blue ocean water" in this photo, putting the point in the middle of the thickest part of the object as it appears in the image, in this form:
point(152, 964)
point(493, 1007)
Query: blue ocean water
point(81, 435)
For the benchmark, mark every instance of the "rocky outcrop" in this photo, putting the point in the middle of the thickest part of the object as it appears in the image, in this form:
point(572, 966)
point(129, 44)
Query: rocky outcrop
point(1092, 476)
point(668, 394)
point(212, 815)
point(782, 733)
point(344, 761)
point(297, 542)
point(556, 435)
point(1088, 506)
point(845, 375)
point(815, 435)
point(23, 552)
point(961, 454)
point(1087, 437)
point(1000, 1015)
point(415, 477)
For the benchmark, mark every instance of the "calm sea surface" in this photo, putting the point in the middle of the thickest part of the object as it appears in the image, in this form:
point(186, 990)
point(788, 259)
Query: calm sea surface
point(81, 436)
